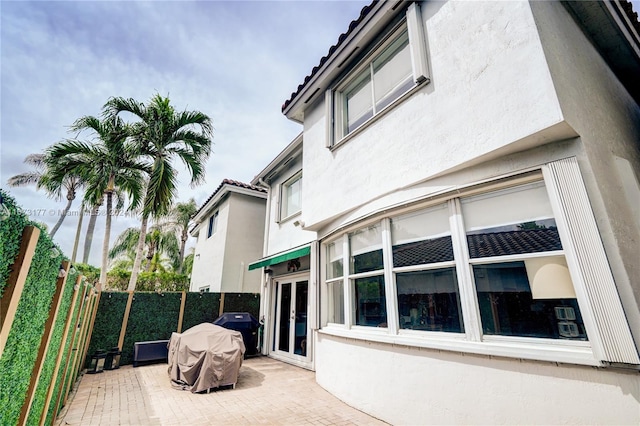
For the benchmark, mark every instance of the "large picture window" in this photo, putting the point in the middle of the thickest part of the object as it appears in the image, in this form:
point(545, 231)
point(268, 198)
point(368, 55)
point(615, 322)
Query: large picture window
point(520, 292)
point(485, 267)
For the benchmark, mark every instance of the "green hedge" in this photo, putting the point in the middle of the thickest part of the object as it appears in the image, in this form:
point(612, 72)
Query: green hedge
point(18, 359)
point(106, 329)
point(52, 353)
point(154, 316)
point(199, 308)
point(11, 232)
point(118, 280)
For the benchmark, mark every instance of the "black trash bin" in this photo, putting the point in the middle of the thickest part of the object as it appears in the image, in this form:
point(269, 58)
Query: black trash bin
point(246, 324)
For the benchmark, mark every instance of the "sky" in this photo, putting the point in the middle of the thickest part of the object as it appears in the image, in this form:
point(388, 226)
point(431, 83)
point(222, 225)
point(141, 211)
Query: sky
point(236, 61)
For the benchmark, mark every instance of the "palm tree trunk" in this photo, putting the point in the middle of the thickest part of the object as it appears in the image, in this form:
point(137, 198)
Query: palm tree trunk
point(105, 243)
point(76, 242)
point(136, 264)
point(183, 243)
point(88, 239)
point(150, 254)
point(62, 215)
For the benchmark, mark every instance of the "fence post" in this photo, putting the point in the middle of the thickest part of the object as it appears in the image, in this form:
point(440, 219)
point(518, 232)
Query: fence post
point(45, 340)
point(183, 301)
point(125, 320)
point(221, 309)
point(63, 342)
point(92, 323)
point(71, 360)
point(15, 283)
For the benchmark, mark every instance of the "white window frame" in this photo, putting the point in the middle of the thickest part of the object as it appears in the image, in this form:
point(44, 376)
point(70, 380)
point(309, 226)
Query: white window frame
point(212, 227)
point(589, 352)
point(334, 97)
point(284, 187)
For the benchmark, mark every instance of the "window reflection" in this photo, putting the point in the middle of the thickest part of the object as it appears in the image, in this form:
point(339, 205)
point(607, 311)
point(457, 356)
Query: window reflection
point(429, 300)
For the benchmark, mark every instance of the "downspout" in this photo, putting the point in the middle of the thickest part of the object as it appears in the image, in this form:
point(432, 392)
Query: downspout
point(264, 277)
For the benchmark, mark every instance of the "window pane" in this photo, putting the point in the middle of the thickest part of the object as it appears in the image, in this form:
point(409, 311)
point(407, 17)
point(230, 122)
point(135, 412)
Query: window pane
point(371, 309)
point(429, 300)
point(366, 249)
point(509, 307)
point(513, 221)
point(358, 106)
point(334, 260)
point(421, 238)
point(392, 73)
point(291, 197)
point(333, 302)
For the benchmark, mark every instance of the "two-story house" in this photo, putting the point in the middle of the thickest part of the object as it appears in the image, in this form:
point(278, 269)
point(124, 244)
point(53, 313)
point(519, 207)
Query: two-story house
point(229, 228)
point(466, 237)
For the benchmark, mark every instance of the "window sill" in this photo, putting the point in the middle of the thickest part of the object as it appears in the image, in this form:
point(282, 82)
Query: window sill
point(379, 115)
point(288, 218)
point(521, 348)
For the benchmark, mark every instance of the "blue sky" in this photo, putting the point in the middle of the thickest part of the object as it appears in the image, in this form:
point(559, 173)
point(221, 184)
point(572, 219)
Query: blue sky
point(235, 61)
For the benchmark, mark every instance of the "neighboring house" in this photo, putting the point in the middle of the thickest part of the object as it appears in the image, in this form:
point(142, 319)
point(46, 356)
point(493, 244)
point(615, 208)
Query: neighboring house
point(229, 228)
point(470, 210)
point(287, 261)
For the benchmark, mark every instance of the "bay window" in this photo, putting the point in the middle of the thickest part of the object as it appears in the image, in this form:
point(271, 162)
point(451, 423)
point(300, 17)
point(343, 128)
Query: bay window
point(487, 269)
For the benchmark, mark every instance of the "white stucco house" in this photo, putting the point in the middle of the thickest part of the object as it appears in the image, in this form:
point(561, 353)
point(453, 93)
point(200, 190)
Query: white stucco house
point(229, 228)
point(464, 245)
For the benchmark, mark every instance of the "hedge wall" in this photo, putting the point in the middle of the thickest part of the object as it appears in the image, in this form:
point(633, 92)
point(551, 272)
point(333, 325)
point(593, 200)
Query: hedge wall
point(52, 353)
point(154, 316)
point(21, 349)
point(199, 308)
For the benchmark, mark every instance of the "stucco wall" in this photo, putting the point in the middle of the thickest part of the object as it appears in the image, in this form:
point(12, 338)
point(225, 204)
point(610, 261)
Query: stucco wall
point(607, 119)
point(284, 235)
point(245, 235)
point(404, 385)
point(209, 254)
point(490, 87)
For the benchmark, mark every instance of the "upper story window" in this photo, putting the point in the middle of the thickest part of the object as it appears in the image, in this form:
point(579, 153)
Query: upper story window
point(291, 197)
point(388, 71)
point(213, 224)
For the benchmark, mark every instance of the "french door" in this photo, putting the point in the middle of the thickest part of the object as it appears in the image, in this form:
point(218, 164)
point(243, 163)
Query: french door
point(290, 314)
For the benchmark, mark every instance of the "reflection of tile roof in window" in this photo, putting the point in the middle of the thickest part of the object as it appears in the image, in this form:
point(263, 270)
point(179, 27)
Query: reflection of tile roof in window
point(423, 252)
point(513, 242)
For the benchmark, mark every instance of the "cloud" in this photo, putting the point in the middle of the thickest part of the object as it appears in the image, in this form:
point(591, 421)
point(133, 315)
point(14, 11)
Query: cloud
point(236, 61)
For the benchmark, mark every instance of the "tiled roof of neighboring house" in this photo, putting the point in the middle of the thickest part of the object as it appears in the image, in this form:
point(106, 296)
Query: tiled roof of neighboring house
point(628, 8)
point(232, 183)
point(364, 12)
point(513, 242)
point(423, 252)
point(480, 245)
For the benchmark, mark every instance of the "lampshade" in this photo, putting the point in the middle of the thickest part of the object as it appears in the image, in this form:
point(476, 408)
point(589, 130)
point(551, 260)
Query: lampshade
point(549, 278)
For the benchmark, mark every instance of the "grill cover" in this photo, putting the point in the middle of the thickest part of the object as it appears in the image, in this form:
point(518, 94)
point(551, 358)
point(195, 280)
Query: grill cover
point(205, 356)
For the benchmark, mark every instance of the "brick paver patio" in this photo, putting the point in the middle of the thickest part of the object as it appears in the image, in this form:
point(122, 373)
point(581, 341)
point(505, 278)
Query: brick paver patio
point(268, 392)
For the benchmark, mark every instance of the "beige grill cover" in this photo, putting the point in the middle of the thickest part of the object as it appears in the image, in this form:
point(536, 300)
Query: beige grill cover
point(205, 356)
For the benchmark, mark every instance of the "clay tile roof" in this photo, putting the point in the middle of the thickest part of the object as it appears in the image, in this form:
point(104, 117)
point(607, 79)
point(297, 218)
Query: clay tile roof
point(423, 252)
point(627, 6)
point(232, 183)
point(480, 245)
point(513, 242)
point(364, 12)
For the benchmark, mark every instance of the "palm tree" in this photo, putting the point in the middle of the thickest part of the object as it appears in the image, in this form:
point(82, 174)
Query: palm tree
point(162, 134)
point(161, 246)
point(54, 188)
point(108, 163)
point(180, 217)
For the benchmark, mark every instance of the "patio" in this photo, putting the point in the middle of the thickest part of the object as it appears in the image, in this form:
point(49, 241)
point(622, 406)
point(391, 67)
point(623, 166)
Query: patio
point(268, 392)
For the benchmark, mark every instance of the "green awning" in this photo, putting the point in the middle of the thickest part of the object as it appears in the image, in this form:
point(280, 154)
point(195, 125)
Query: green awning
point(278, 258)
